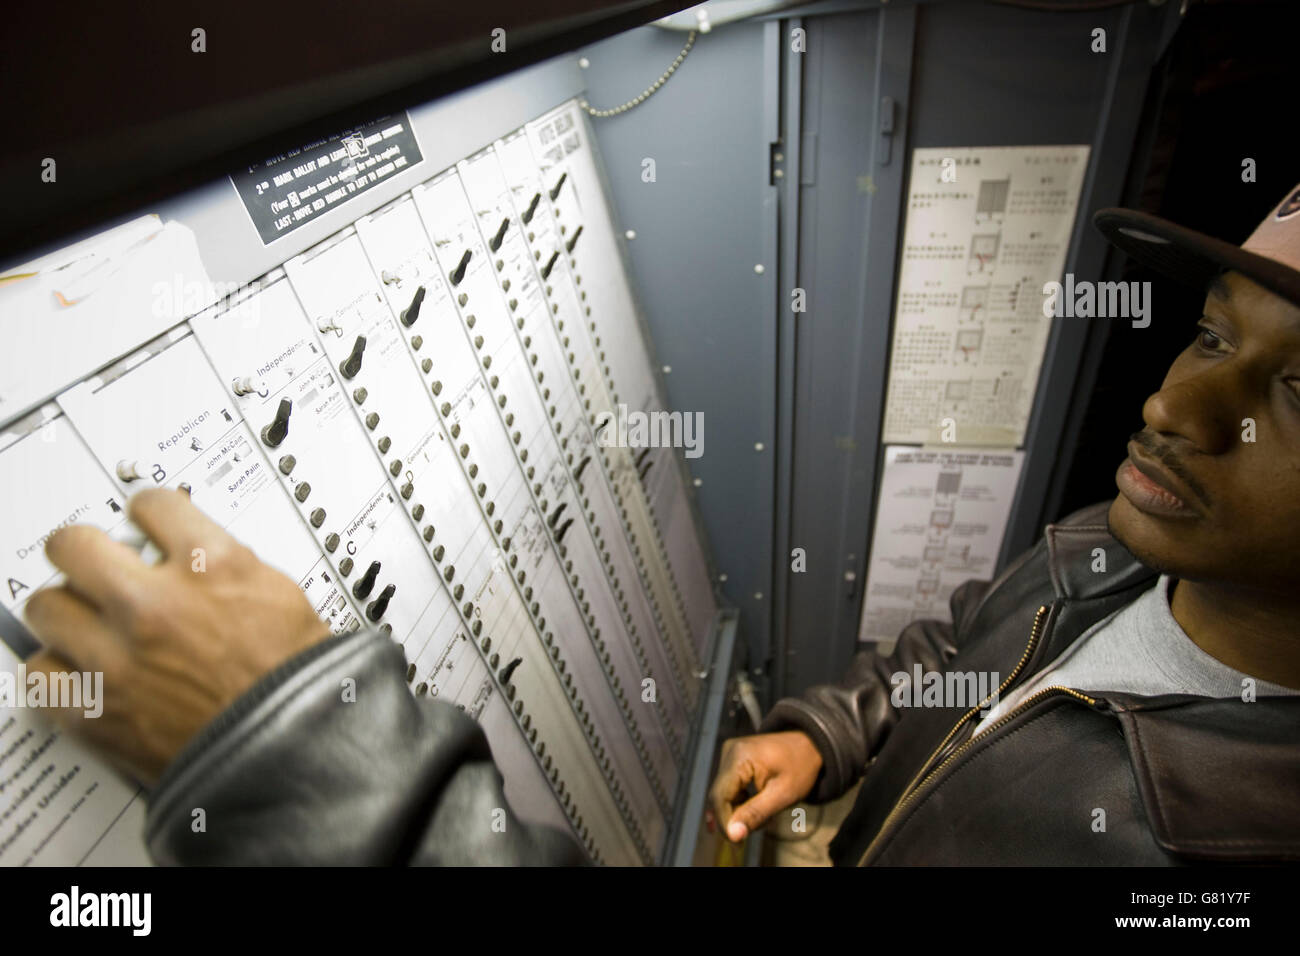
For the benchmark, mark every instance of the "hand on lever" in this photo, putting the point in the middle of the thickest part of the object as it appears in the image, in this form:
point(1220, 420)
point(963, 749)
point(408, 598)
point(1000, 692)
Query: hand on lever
point(176, 644)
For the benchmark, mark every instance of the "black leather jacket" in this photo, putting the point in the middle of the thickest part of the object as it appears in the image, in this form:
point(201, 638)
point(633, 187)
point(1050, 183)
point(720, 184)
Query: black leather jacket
point(1071, 775)
point(289, 774)
point(292, 774)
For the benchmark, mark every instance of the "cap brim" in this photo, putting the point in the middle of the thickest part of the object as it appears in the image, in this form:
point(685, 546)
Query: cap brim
point(1188, 256)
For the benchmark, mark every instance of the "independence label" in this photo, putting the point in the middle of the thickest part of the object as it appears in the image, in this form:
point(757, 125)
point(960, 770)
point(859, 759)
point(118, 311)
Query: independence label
point(287, 191)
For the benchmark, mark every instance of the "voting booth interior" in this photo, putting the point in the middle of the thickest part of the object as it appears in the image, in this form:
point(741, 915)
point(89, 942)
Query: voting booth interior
point(624, 415)
point(856, 299)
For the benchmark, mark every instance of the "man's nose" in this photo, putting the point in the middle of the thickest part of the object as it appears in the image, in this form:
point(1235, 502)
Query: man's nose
point(1206, 408)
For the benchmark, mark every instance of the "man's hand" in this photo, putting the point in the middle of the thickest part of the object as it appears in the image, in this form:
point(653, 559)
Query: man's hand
point(782, 767)
point(176, 645)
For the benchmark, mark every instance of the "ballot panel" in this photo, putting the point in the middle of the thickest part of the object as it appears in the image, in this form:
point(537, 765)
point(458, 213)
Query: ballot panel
point(413, 417)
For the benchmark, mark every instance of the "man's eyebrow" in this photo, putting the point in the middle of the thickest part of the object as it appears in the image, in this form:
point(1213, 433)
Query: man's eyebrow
point(1218, 288)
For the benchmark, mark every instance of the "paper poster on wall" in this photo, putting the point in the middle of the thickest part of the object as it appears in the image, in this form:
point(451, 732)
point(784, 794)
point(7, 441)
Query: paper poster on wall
point(986, 229)
point(939, 522)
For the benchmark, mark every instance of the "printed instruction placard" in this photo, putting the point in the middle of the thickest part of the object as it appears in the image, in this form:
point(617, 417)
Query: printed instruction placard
point(939, 522)
point(987, 228)
point(290, 190)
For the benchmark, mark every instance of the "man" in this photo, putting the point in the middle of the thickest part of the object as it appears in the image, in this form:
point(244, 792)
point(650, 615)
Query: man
point(1148, 649)
point(222, 689)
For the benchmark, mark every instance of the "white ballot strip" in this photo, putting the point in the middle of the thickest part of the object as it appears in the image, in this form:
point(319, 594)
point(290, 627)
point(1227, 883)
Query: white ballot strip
point(939, 522)
point(59, 804)
point(986, 229)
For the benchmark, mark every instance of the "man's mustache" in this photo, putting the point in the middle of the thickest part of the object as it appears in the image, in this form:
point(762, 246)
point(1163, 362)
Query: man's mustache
point(1166, 455)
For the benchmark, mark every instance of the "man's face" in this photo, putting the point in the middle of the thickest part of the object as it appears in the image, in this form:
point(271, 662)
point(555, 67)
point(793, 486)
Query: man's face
point(1198, 499)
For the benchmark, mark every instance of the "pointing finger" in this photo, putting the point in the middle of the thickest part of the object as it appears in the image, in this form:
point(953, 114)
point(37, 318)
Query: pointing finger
point(734, 775)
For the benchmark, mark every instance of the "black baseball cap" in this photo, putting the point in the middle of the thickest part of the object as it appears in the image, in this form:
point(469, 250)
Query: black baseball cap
point(1270, 257)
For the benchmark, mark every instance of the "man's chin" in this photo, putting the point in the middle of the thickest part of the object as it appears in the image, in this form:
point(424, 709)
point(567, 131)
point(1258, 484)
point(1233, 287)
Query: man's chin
point(1145, 537)
point(1115, 518)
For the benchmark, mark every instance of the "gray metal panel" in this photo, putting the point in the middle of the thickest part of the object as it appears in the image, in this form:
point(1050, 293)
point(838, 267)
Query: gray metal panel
point(792, 163)
point(989, 75)
point(1074, 349)
point(848, 222)
point(701, 227)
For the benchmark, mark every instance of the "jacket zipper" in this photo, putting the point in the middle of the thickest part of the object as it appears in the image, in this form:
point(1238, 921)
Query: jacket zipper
point(923, 777)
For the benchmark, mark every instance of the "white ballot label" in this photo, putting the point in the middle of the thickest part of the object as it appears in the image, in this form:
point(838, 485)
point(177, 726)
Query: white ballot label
point(986, 229)
point(60, 804)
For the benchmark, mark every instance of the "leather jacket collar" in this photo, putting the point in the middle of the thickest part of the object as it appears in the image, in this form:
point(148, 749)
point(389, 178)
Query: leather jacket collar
point(1219, 778)
point(1075, 549)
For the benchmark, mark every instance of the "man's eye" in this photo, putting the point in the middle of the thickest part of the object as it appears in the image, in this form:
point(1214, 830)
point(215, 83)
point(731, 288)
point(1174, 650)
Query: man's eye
point(1207, 340)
